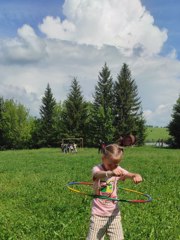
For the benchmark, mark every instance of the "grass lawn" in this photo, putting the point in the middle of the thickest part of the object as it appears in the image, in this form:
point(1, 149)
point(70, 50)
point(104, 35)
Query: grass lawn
point(155, 133)
point(36, 205)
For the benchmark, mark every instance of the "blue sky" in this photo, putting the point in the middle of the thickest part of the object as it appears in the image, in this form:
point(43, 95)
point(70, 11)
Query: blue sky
point(14, 13)
point(52, 41)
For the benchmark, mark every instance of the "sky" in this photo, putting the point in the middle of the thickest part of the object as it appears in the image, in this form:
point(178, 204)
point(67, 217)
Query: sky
point(53, 41)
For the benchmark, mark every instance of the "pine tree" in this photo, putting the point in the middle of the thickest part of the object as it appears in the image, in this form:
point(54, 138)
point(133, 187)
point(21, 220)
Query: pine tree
point(127, 105)
point(58, 126)
point(141, 128)
point(104, 90)
point(74, 112)
point(102, 114)
point(47, 118)
point(174, 125)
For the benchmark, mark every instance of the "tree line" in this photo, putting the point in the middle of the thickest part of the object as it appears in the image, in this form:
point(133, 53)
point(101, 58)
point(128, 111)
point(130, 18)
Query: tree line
point(115, 111)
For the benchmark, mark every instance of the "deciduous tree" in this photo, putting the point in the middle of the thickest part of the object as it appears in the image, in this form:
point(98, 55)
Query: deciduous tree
point(17, 125)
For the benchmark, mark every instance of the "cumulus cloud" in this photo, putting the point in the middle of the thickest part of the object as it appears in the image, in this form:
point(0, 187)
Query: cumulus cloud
point(129, 27)
point(158, 117)
point(157, 78)
point(20, 95)
point(27, 47)
point(55, 28)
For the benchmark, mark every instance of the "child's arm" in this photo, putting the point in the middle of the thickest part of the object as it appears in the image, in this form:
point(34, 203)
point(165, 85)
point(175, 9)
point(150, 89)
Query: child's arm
point(125, 174)
point(119, 173)
point(134, 176)
point(104, 174)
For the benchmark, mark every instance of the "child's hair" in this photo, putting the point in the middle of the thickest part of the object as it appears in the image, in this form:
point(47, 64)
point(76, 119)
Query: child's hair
point(113, 151)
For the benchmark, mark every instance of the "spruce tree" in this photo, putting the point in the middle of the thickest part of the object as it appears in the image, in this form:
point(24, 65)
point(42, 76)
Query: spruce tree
point(128, 114)
point(102, 114)
point(174, 125)
point(74, 112)
point(141, 129)
point(47, 118)
point(104, 89)
point(58, 126)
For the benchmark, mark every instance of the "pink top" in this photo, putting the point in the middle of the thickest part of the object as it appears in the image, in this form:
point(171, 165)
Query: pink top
point(104, 207)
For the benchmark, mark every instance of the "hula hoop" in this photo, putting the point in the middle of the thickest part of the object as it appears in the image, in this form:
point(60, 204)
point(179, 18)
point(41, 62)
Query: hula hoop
point(147, 196)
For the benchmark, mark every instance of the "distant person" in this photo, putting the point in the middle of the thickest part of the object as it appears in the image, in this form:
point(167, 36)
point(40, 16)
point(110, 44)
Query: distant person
point(105, 214)
point(71, 148)
point(162, 142)
point(158, 143)
point(75, 147)
point(65, 148)
point(62, 147)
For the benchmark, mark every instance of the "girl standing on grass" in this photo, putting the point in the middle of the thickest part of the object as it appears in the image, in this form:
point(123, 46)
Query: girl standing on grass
point(105, 214)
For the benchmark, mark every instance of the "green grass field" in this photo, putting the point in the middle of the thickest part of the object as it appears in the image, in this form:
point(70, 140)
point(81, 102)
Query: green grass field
point(155, 133)
point(36, 205)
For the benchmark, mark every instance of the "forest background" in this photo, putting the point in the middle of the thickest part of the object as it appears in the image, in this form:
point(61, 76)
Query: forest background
point(115, 112)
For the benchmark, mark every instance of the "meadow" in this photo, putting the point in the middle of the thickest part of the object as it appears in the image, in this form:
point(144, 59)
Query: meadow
point(35, 203)
point(155, 133)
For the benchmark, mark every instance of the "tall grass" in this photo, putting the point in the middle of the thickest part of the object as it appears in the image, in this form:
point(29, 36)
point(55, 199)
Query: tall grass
point(36, 205)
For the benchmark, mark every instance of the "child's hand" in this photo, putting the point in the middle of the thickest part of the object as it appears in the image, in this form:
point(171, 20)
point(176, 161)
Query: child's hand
point(137, 178)
point(118, 172)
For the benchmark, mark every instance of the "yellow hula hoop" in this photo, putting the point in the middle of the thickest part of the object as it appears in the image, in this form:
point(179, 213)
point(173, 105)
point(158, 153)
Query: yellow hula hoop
point(148, 197)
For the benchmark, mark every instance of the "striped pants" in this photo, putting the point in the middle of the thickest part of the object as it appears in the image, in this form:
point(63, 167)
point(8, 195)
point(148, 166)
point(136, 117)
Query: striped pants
point(101, 226)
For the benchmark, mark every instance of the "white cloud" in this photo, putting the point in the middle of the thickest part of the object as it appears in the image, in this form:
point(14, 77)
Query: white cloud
point(54, 28)
point(173, 54)
point(19, 94)
point(129, 27)
point(158, 117)
point(27, 47)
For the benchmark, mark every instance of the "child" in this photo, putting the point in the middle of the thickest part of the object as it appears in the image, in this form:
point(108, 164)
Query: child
point(105, 214)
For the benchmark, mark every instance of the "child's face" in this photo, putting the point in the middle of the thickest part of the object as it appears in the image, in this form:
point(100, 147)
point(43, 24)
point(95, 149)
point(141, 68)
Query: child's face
point(111, 163)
